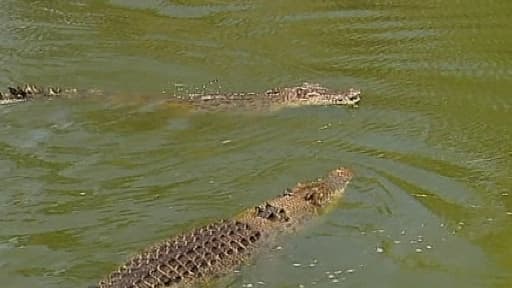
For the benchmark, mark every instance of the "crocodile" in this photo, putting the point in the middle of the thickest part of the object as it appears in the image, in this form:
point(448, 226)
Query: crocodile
point(211, 251)
point(303, 95)
point(306, 94)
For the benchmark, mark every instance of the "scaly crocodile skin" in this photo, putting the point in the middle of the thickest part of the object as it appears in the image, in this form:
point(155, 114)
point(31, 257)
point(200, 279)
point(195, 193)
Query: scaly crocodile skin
point(304, 95)
point(218, 248)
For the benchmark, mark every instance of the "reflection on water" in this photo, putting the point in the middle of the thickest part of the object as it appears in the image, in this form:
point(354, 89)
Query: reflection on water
point(86, 183)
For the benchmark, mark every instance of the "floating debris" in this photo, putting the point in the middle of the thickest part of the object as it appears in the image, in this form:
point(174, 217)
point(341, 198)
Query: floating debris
point(313, 263)
point(350, 270)
point(380, 250)
point(297, 264)
point(419, 250)
point(226, 141)
point(428, 247)
point(325, 126)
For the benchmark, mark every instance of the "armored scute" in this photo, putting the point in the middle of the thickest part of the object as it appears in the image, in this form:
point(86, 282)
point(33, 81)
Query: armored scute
point(216, 249)
point(30, 92)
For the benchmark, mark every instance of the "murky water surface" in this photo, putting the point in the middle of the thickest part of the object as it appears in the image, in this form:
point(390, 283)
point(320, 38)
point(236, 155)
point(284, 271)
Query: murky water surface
point(86, 183)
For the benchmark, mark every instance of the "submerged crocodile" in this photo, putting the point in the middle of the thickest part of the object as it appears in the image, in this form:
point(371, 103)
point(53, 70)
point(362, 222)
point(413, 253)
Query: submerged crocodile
point(304, 95)
point(216, 249)
point(32, 92)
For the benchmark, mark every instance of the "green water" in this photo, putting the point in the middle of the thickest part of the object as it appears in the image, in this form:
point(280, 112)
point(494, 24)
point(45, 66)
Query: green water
point(86, 183)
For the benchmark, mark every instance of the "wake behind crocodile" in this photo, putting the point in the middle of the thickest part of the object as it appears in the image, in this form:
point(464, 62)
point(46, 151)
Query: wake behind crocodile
point(216, 249)
point(304, 95)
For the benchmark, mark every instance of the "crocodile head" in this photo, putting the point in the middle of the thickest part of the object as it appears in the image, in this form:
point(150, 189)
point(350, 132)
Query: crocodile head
point(324, 191)
point(350, 98)
point(314, 94)
point(299, 203)
point(306, 198)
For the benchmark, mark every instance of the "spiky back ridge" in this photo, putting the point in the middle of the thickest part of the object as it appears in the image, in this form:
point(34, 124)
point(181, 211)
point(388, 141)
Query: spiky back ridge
point(203, 253)
point(219, 248)
point(30, 91)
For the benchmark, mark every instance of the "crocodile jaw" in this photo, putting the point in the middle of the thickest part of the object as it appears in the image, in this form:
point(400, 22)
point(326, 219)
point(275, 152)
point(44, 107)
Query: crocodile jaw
point(351, 97)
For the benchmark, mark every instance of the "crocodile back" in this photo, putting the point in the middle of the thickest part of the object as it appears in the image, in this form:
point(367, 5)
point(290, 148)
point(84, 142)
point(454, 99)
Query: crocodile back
point(202, 253)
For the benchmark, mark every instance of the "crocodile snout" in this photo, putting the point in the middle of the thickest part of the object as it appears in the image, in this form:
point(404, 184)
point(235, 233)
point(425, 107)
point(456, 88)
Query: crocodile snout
point(351, 97)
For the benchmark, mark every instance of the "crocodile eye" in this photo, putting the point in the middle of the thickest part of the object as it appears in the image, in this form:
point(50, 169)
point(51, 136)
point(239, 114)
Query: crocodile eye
point(288, 192)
